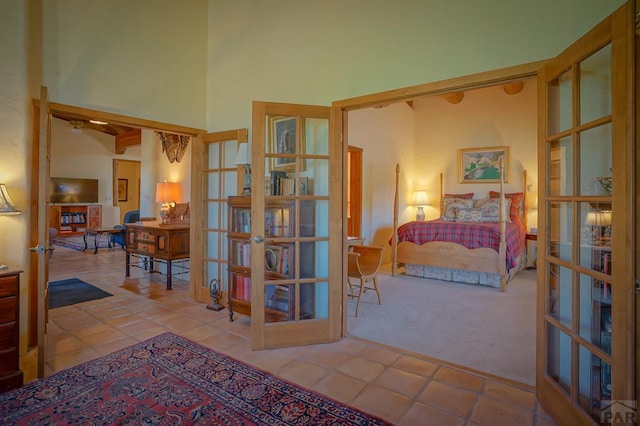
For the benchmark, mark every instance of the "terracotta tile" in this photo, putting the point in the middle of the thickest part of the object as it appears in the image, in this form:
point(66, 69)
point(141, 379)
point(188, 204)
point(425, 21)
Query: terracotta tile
point(339, 386)
point(302, 373)
point(402, 382)
point(415, 365)
point(460, 378)
point(90, 330)
point(425, 415)
point(543, 421)
point(271, 361)
point(383, 403)
point(362, 369)
point(381, 355)
point(103, 337)
point(496, 413)
point(450, 398)
point(510, 394)
point(114, 345)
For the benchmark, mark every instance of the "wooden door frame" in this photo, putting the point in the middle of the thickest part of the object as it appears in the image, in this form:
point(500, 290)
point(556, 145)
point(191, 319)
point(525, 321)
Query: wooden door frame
point(407, 94)
point(35, 187)
point(354, 194)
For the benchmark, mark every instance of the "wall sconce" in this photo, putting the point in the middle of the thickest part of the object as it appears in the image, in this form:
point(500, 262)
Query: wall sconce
point(243, 158)
point(7, 207)
point(167, 193)
point(420, 199)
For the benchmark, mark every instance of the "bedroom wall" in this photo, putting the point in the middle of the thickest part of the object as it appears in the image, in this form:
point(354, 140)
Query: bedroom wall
point(387, 138)
point(424, 140)
point(484, 118)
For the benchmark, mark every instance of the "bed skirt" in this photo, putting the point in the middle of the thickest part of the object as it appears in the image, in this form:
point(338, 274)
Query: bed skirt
point(461, 275)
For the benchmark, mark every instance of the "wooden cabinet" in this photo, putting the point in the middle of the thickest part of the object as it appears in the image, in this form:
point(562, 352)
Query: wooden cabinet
point(10, 374)
point(74, 219)
point(279, 258)
point(154, 242)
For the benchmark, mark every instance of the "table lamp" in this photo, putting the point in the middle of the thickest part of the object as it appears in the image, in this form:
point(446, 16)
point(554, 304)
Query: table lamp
point(7, 207)
point(420, 199)
point(167, 193)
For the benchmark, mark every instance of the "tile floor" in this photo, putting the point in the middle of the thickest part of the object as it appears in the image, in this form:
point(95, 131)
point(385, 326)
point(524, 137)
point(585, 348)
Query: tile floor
point(400, 387)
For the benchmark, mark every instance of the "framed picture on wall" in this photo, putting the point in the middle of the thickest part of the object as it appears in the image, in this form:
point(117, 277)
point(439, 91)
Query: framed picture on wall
point(482, 165)
point(283, 136)
point(123, 189)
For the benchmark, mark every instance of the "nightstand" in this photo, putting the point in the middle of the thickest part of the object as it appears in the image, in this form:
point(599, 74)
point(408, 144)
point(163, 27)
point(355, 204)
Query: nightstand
point(10, 375)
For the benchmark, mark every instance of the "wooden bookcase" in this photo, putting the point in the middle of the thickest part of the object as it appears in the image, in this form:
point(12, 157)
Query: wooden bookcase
point(280, 262)
point(74, 219)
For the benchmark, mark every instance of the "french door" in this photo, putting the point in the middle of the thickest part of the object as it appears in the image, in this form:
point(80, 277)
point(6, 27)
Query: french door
point(215, 179)
point(296, 225)
point(586, 300)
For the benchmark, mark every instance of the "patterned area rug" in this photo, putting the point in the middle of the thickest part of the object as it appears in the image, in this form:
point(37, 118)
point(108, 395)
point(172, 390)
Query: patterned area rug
point(171, 380)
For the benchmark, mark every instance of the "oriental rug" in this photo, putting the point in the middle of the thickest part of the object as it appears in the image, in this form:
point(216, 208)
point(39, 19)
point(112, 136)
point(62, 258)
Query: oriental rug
point(171, 380)
point(71, 291)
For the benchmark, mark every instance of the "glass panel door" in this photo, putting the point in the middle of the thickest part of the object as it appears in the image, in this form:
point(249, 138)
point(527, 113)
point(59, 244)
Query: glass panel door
point(220, 179)
point(584, 362)
point(295, 272)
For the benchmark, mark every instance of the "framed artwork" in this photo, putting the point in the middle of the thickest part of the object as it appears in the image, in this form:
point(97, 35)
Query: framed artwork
point(482, 165)
point(283, 141)
point(123, 189)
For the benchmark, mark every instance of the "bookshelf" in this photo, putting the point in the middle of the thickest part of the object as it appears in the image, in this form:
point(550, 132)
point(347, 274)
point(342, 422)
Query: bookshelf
point(74, 219)
point(280, 262)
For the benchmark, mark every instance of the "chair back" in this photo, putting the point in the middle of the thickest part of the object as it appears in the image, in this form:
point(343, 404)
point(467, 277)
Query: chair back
point(131, 216)
point(366, 261)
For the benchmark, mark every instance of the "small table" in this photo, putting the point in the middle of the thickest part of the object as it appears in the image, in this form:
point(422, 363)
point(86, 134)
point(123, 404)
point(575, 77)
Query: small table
point(97, 236)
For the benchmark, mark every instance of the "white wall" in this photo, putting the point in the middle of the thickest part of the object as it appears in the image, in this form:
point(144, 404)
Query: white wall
point(424, 141)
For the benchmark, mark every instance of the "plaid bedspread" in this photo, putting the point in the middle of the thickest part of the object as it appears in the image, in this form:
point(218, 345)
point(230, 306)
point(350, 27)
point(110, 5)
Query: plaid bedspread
point(469, 234)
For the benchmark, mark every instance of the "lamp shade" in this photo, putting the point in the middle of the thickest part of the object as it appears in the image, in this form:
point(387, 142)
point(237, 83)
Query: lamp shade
point(7, 206)
point(420, 198)
point(244, 154)
point(168, 192)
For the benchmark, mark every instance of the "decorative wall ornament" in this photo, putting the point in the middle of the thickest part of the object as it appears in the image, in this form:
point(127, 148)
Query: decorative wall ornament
point(174, 145)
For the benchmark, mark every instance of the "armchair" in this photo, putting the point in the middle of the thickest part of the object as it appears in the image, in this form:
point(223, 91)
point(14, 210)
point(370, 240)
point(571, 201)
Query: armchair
point(129, 217)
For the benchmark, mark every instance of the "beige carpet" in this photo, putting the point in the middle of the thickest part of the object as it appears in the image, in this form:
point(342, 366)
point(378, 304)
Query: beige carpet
point(469, 325)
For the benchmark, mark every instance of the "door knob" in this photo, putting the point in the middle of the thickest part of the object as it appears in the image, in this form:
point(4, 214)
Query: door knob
point(259, 239)
point(38, 249)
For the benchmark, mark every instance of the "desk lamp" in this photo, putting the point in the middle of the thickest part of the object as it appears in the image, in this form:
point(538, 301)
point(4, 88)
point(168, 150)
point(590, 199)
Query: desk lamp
point(244, 159)
point(167, 193)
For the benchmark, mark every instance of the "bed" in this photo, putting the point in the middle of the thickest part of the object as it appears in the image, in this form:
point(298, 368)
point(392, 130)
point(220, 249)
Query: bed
point(464, 245)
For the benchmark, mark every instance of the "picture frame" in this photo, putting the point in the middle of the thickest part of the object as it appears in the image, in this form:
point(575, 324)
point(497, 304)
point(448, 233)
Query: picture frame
point(284, 142)
point(272, 256)
point(123, 189)
point(482, 165)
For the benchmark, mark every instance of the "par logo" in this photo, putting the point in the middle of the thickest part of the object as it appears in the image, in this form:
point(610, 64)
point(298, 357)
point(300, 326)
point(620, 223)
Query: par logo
point(619, 412)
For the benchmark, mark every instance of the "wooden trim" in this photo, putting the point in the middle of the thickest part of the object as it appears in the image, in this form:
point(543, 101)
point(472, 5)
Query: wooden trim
point(457, 84)
point(127, 140)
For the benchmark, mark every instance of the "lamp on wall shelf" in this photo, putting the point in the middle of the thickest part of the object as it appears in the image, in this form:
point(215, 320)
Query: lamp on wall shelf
point(420, 199)
point(167, 193)
point(7, 207)
point(243, 158)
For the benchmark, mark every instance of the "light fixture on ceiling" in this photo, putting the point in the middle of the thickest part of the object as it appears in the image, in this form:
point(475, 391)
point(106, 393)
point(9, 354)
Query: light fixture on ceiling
point(76, 126)
point(98, 122)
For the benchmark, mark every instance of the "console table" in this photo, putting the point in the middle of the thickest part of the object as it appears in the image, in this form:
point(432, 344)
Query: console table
point(150, 242)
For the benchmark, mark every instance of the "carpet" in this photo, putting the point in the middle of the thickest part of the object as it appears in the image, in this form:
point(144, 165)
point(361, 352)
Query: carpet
point(76, 242)
point(171, 380)
point(71, 291)
point(473, 326)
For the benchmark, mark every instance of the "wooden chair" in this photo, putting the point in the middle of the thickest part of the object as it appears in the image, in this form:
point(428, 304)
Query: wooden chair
point(363, 264)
